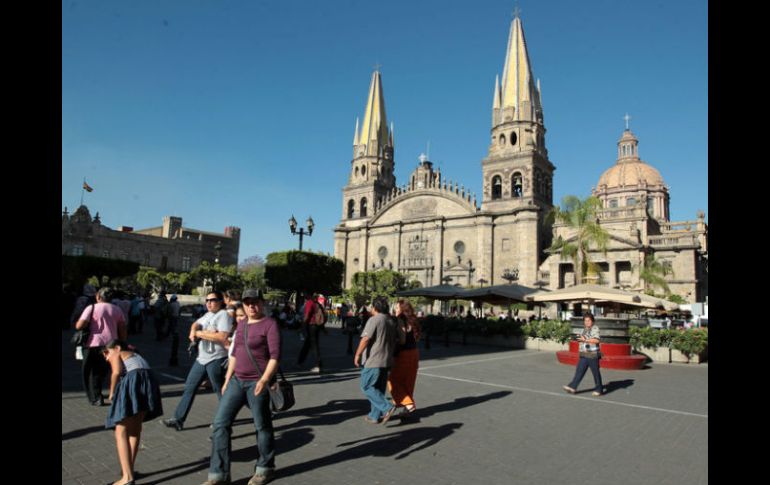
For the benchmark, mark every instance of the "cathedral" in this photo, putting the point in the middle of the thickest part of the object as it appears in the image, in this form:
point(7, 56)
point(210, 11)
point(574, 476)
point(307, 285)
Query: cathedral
point(436, 232)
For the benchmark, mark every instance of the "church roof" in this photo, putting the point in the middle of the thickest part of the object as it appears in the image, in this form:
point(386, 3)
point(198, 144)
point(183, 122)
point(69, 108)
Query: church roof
point(629, 169)
point(518, 87)
point(374, 130)
point(630, 173)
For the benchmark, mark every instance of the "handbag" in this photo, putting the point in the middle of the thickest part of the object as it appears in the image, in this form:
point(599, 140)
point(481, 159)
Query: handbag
point(282, 393)
point(80, 337)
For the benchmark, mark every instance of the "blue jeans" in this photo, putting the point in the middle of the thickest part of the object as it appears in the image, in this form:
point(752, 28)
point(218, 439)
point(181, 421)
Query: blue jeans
point(582, 366)
point(374, 383)
point(197, 372)
point(236, 395)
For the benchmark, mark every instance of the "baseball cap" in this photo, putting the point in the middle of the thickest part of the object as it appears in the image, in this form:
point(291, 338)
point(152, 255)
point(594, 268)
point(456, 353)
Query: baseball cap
point(253, 293)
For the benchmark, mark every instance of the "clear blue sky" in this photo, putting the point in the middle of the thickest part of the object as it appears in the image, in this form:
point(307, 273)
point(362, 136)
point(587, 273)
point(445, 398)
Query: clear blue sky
point(242, 112)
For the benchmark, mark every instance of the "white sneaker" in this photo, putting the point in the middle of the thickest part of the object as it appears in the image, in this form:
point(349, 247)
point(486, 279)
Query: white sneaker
point(316, 369)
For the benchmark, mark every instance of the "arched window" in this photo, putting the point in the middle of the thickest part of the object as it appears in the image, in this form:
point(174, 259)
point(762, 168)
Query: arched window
point(516, 184)
point(502, 140)
point(631, 201)
point(356, 171)
point(363, 170)
point(351, 208)
point(497, 187)
point(513, 138)
point(613, 203)
point(363, 207)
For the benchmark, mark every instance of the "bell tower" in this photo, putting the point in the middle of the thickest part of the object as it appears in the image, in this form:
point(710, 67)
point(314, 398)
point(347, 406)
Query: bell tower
point(516, 170)
point(371, 170)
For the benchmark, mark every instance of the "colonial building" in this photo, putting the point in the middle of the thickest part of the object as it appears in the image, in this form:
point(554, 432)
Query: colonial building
point(169, 247)
point(636, 215)
point(434, 230)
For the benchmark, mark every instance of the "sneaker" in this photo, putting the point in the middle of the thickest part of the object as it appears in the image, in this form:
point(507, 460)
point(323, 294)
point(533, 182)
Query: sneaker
point(216, 482)
point(371, 421)
point(172, 423)
point(596, 393)
point(316, 370)
point(568, 389)
point(387, 415)
point(260, 479)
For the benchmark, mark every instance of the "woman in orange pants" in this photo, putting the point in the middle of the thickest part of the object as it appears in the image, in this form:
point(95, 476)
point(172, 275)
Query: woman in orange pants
point(403, 374)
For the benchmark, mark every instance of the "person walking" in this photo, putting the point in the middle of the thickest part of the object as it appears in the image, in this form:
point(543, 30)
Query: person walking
point(160, 316)
point(105, 322)
point(403, 375)
point(174, 310)
point(210, 332)
point(256, 352)
point(312, 322)
point(135, 398)
point(375, 351)
point(589, 357)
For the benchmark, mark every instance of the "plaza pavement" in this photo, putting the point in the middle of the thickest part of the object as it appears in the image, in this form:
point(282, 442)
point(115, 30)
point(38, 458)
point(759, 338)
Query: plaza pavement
point(485, 415)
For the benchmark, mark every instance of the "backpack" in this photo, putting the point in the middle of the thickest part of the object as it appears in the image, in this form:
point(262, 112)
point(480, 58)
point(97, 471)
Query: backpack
point(319, 315)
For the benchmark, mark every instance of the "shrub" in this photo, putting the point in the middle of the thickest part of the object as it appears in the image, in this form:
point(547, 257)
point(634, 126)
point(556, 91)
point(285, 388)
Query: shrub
point(691, 342)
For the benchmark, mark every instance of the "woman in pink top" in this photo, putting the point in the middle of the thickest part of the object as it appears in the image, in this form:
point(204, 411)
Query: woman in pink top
point(106, 322)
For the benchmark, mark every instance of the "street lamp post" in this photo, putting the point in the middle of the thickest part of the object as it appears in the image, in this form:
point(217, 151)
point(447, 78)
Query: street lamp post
point(301, 232)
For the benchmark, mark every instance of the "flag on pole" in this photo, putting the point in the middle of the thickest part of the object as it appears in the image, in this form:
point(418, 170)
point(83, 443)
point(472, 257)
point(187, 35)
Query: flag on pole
point(87, 187)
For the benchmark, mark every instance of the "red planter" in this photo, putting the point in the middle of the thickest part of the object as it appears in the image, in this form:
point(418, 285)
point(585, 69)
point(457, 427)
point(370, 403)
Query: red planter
point(614, 356)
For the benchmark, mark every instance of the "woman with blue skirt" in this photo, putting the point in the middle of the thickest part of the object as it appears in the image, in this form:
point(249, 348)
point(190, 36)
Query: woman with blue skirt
point(134, 398)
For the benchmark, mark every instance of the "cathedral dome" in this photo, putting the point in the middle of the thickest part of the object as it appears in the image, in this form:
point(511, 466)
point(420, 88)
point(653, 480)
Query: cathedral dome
point(629, 174)
point(630, 170)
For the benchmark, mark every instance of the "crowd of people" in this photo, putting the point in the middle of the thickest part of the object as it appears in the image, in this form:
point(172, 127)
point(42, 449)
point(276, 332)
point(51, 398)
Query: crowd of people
point(237, 347)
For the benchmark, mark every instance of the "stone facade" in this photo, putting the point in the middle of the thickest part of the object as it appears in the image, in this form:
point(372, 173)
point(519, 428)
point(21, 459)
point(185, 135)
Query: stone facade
point(636, 215)
point(170, 247)
point(432, 228)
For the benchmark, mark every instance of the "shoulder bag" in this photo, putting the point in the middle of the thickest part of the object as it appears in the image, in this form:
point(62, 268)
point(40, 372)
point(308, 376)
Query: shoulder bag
point(282, 397)
point(80, 337)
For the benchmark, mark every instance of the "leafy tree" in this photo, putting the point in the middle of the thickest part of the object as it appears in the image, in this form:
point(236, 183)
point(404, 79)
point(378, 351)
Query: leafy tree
point(653, 272)
point(302, 270)
point(149, 279)
point(251, 262)
point(176, 282)
point(76, 270)
point(367, 285)
point(220, 277)
point(581, 217)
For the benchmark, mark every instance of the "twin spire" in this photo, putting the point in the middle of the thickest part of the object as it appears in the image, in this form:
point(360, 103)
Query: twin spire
point(374, 134)
point(518, 89)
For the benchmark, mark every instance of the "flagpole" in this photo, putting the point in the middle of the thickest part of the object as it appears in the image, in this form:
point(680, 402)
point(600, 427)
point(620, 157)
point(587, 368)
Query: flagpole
point(82, 191)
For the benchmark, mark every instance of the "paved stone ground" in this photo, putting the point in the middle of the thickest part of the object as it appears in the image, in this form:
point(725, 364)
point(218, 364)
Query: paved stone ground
point(485, 415)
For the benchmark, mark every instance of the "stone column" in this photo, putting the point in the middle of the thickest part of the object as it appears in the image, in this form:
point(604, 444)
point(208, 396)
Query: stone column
point(485, 243)
point(399, 234)
point(363, 249)
point(440, 249)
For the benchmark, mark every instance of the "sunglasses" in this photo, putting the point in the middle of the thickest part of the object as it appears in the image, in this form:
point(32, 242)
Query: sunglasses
point(208, 300)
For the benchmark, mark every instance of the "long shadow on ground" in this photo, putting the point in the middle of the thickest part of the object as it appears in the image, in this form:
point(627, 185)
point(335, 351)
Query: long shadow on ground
point(398, 444)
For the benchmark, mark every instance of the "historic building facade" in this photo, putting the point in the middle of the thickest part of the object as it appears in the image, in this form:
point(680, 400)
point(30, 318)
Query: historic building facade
point(431, 228)
point(436, 232)
point(170, 247)
point(635, 212)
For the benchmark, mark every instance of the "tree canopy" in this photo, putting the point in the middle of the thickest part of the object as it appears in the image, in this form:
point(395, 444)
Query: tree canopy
point(581, 217)
point(367, 285)
point(303, 270)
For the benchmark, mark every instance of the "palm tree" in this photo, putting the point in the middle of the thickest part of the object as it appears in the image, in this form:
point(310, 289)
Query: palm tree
point(653, 272)
point(581, 216)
